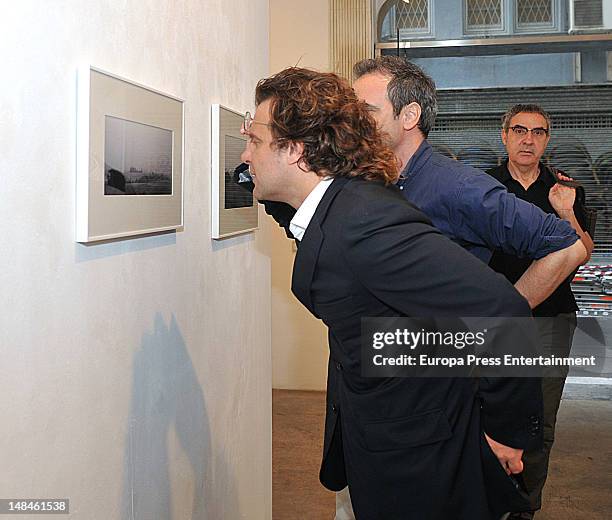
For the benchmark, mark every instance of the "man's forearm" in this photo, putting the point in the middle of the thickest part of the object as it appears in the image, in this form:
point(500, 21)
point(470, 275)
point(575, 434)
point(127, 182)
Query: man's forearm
point(545, 275)
point(587, 241)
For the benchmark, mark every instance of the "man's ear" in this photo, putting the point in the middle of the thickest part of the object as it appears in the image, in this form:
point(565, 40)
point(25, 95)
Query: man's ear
point(410, 115)
point(295, 152)
point(504, 136)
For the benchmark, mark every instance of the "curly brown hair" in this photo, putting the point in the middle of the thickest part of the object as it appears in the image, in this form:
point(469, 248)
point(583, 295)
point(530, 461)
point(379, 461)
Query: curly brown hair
point(321, 111)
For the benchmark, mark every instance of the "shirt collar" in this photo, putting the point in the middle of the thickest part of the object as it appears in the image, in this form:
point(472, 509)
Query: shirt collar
point(303, 216)
point(545, 176)
point(416, 162)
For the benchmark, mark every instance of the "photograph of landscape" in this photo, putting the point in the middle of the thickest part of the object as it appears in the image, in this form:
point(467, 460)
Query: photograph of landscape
point(137, 158)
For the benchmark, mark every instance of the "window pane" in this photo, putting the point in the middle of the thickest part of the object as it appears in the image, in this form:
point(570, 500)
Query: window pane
point(534, 12)
point(484, 13)
point(409, 18)
point(412, 15)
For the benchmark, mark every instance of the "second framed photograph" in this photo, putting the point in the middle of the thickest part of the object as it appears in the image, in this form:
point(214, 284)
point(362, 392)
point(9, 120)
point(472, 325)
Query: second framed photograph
point(234, 209)
point(129, 158)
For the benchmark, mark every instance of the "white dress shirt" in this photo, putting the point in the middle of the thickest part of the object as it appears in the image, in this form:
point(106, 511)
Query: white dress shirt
point(305, 212)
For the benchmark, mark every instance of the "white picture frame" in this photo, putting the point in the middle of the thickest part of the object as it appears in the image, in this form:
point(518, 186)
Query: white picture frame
point(130, 142)
point(234, 210)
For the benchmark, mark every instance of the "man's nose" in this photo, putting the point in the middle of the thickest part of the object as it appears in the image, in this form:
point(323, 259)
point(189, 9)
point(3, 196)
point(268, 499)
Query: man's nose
point(528, 137)
point(245, 156)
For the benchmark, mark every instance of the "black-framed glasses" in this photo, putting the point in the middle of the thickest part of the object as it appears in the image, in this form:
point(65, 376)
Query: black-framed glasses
point(248, 122)
point(521, 131)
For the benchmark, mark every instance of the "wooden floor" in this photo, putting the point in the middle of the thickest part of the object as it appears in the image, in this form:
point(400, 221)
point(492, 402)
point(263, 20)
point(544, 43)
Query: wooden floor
point(297, 431)
point(579, 486)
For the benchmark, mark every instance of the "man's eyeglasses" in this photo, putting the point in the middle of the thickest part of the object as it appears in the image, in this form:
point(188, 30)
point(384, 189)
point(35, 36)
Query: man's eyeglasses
point(248, 122)
point(521, 131)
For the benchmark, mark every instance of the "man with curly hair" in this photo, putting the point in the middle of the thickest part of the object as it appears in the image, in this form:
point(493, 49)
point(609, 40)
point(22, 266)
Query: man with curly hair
point(408, 448)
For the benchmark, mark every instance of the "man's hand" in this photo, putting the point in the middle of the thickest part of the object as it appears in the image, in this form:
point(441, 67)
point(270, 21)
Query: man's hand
point(509, 458)
point(562, 200)
point(561, 197)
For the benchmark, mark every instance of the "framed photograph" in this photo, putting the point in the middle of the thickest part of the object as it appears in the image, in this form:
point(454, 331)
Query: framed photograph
point(129, 158)
point(234, 209)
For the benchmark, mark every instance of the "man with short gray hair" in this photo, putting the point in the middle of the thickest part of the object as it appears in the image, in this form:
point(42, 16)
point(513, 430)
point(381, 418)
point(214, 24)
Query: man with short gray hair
point(525, 133)
point(464, 203)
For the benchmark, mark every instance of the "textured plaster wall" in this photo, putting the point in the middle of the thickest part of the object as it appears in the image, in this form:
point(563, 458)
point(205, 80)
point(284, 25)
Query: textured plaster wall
point(135, 375)
point(298, 36)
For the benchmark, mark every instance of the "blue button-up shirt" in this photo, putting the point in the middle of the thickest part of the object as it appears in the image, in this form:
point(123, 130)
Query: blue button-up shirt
point(474, 210)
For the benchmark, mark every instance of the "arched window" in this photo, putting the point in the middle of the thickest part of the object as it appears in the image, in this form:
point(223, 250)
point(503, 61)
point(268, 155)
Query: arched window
point(411, 17)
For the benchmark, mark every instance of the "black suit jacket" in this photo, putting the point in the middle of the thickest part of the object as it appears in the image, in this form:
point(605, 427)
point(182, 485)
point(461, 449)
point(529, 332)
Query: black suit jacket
point(409, 448)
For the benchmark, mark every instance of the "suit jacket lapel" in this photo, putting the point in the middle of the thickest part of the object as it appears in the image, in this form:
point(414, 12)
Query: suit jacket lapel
point(308, 249)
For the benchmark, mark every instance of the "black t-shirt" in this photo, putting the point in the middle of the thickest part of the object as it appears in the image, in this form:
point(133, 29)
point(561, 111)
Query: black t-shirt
point(512, 267)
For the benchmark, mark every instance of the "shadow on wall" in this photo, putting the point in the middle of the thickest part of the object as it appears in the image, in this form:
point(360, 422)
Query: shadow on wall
point(165, 394)
point(124, 245)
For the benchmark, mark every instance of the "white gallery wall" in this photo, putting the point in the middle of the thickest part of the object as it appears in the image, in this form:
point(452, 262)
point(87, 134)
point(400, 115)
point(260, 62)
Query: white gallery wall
point(298, 36)
point(134, 375)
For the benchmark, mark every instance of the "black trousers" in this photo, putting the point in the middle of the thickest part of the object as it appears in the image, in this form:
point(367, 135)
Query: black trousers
point(556, 334)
